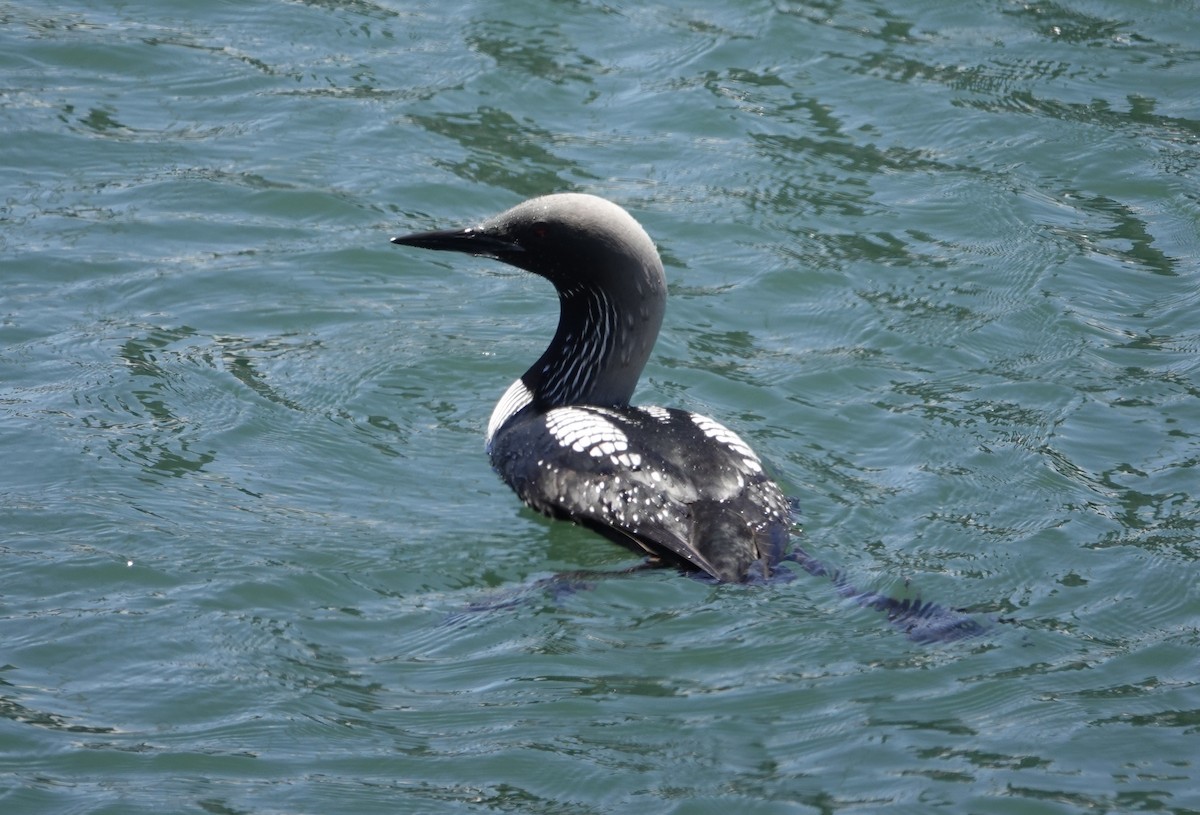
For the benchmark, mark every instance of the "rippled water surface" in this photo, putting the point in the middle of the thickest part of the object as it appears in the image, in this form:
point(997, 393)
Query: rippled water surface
point(936, 261)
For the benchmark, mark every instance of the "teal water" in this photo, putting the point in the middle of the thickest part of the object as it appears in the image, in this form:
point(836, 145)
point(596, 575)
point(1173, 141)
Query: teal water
point(937, 262)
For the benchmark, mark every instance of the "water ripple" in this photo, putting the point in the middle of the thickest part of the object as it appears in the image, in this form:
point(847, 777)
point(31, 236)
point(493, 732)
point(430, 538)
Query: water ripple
point(938, 263)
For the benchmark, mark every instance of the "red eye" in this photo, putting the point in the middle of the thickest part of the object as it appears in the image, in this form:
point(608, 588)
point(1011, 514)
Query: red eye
point(540, 231)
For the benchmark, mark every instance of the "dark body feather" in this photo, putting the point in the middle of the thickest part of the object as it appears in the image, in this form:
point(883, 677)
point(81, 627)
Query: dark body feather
point(658, 481)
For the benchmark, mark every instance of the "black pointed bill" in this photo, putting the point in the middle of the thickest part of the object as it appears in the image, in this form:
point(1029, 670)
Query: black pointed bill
point(470, 241)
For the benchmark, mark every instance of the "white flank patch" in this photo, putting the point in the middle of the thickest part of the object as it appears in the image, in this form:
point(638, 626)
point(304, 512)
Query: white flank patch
point(516, 397)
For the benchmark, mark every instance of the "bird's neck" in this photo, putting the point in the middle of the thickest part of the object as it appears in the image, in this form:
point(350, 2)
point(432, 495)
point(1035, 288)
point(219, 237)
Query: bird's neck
point(604, 337)
point(599, 349)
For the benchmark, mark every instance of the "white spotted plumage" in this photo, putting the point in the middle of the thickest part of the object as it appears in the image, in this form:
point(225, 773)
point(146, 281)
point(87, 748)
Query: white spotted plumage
point(655, 412)
point(587, 430)
point(723, 435)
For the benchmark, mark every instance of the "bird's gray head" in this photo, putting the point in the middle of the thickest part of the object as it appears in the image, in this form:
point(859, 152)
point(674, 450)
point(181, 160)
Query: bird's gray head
point(571, 239)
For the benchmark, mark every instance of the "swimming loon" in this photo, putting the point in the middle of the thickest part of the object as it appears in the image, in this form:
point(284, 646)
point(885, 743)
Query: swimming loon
point(677, 486)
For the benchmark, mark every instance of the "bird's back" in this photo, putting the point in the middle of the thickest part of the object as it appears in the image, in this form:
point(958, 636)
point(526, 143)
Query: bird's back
point(667, 482)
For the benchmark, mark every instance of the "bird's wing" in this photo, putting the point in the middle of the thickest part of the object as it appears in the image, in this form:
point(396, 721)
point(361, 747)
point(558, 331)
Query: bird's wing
point(667, 482)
